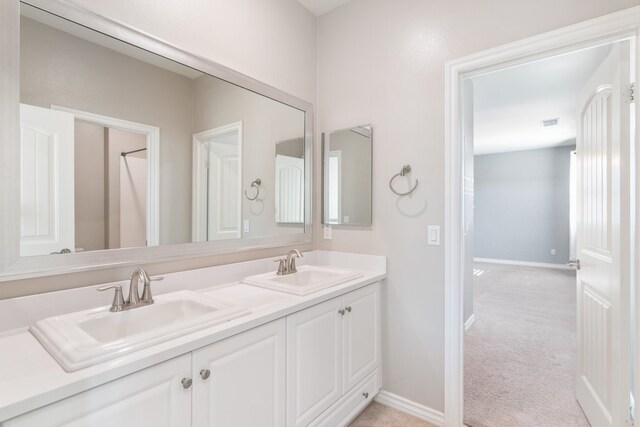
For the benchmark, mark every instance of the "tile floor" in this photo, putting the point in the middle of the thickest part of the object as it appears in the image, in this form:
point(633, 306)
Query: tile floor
point(378, 415)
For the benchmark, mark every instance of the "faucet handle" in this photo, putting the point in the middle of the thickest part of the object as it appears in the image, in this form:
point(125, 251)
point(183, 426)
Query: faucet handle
point(281, 266)
point(146, 291)
point(118, 299)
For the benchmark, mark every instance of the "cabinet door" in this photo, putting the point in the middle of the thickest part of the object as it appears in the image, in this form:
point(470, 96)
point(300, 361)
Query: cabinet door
point(151, 397)
point(245, 386)
point(313, 361)
point(360, 335)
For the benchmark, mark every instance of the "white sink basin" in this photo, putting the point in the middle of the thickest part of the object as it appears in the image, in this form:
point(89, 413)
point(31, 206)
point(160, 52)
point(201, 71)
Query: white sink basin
point(307, 280)
point(89, 337)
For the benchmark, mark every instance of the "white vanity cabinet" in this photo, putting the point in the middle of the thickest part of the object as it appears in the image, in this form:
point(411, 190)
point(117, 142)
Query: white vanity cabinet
point(240, 381)
point(152, 397)
point(331, 348)
point(318, 366)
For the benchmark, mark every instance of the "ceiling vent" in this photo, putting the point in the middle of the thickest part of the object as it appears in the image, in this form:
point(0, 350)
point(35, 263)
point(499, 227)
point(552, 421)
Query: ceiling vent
point(549, 122)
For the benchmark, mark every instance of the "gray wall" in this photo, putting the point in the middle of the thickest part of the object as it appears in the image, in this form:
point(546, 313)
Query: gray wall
point(522, 205)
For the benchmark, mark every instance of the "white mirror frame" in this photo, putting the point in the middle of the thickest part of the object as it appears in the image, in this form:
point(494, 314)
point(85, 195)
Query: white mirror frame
point(14, 267)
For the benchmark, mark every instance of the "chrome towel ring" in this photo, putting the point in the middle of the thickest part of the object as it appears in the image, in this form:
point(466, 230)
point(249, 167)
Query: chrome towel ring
point(255, 184)
point(405, 170)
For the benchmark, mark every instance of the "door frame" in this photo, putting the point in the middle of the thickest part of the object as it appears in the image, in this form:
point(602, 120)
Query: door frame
point(622, 25)
point(152, 134)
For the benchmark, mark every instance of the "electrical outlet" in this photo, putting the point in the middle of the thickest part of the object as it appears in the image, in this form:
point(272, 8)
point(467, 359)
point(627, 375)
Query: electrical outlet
point(247, 226)
point(553, 251)
point(327, 232)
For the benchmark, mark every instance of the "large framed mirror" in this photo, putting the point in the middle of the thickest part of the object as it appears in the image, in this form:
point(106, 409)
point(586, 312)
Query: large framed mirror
point(347, 180)
point(131, 150)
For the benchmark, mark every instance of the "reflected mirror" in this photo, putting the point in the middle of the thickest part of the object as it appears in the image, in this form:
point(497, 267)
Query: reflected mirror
point(123, 148)
point(347, 161)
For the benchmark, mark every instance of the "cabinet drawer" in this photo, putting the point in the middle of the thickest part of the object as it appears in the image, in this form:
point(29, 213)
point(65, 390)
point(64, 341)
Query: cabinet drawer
point(351, 404)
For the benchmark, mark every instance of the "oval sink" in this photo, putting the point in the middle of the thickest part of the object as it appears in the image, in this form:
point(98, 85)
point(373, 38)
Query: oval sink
point(89, 337)
point(307, 280)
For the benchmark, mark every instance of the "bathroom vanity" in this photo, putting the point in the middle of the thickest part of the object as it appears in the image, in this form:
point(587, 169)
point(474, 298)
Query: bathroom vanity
point(288, 360)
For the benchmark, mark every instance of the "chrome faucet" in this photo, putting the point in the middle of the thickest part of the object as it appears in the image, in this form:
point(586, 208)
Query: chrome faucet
point(133, 299)
point(288, 265)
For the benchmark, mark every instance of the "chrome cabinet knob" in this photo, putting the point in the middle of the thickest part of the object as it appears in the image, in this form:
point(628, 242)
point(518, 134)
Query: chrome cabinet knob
point(205, 374)
point(366, 395)
point(348, 308)
point(341, 311)
point(186, 383)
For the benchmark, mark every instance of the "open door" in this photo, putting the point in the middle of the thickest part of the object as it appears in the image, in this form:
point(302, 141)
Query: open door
point(46, 181)
point(603, 291)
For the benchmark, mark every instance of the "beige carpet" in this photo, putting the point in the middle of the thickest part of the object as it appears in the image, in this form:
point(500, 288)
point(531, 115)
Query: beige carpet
point(379, 415)
point(520, 355)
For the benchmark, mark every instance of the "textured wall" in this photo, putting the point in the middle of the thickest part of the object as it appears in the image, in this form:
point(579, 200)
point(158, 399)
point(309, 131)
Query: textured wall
point(522, 205)
point(382, 62)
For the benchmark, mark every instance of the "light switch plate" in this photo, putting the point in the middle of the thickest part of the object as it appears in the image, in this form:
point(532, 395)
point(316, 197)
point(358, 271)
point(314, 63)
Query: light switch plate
point(433, 238)
point(327, 232)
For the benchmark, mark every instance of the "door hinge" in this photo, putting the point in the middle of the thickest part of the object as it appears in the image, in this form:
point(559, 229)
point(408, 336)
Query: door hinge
point(630, 93)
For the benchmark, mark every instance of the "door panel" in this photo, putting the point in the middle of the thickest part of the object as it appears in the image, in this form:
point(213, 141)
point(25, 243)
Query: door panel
point(360, 335)
point(246, 386)
point(289, 190)
point(603, 242)
point(151, 397)
point(313, 361)
point(46, 181)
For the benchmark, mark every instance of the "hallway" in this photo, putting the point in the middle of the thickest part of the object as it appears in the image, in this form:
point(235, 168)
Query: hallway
point(520, 355)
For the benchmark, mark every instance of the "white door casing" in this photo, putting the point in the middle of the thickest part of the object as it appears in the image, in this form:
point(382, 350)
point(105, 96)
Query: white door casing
point(603, 168)
point(246, 382)
point(217, 183)
point(152, 134)
point(46, 181)
point(621, 25)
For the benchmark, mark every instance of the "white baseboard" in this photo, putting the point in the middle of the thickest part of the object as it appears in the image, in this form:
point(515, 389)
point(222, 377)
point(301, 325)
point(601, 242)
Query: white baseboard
point(409, 407)
point(470, 321)
point(523, 263)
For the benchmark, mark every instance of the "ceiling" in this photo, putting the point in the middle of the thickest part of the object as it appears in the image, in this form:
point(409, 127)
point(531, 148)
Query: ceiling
point(320, 7)
point(510, 105)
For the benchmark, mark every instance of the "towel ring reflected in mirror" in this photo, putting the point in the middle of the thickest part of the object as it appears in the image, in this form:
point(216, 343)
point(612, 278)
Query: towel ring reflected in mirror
point(255, 184)
point(405, 170)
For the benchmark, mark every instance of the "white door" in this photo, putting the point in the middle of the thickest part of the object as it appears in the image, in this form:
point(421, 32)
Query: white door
point(152, 397)
point(46, 181)
point(289, 190)
point(314, 357)
point(603, 242)
point(240, 381)
point(217, 183)
point(360, 335)
point(224, 200)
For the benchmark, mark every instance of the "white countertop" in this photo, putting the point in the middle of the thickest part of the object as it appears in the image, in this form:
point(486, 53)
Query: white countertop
point(30, 378)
